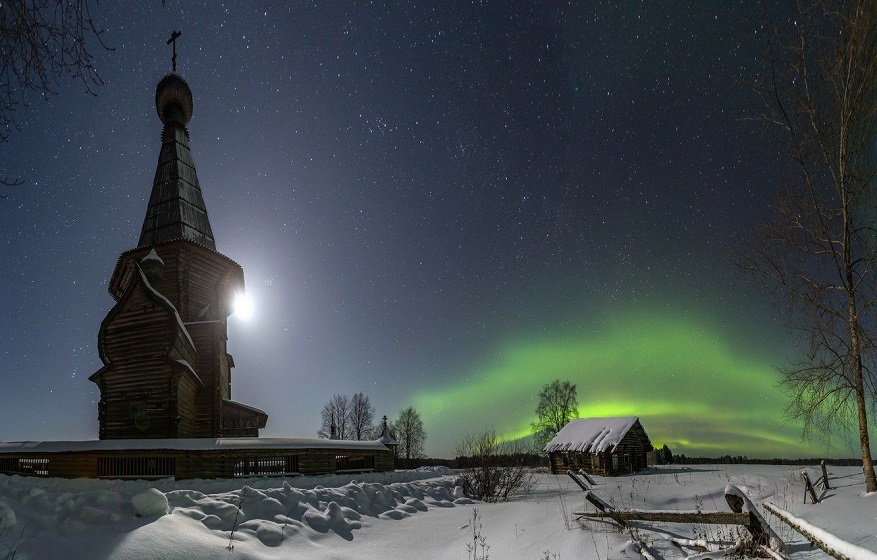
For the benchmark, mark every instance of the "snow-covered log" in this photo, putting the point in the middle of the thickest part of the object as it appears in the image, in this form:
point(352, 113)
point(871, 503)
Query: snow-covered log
point(762, 533)
point(832, 545)
point(706, 517)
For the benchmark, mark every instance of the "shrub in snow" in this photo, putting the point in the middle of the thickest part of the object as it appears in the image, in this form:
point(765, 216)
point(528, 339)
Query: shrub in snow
point(492, 470)
point(151, 503)
point(7, 516)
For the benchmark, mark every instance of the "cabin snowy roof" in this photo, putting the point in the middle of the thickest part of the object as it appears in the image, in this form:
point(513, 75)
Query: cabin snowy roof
point(591, 435)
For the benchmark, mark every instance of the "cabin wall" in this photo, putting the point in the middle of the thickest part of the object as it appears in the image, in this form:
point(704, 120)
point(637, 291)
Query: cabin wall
point(632, 453)
point(628, 457)
point(563, 462)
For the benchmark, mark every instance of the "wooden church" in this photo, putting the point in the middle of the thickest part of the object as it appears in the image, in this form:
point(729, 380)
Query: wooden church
point(165, 405)
point(166, 371)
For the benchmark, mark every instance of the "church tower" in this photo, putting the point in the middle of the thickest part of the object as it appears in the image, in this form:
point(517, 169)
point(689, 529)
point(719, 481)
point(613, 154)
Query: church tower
point(166, 370)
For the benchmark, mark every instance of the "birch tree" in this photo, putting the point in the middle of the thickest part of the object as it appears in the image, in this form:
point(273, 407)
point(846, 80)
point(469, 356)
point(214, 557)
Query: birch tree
point(817, 250)
point(335, 413)
point(408, 431)
point(361, 417)
point(557, 406)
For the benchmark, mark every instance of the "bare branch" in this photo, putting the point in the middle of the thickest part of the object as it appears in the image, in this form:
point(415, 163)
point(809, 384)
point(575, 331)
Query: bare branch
point(41, 41)
point(819, 249)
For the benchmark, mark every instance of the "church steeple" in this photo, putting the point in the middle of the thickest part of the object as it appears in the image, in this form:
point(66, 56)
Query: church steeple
point(176, 207)
point(167, 370)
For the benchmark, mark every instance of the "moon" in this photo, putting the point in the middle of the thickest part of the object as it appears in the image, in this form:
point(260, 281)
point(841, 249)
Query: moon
point(243, 306)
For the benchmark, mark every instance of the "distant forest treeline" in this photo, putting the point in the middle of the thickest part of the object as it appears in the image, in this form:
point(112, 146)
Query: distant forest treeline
point(534, 460)
point(741, 460)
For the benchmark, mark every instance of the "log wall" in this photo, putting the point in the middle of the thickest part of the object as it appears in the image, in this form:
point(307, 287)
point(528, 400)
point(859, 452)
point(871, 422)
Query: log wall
point(231, 463)
point(143, 393)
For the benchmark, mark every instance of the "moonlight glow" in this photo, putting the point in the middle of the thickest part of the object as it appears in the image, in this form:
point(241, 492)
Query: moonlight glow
point(243, 306)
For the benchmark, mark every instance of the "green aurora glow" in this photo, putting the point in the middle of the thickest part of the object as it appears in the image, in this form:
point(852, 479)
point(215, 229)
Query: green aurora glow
point(691, 388)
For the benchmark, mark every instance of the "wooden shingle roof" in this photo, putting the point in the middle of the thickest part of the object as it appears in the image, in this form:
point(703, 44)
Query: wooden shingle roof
point(176, 207)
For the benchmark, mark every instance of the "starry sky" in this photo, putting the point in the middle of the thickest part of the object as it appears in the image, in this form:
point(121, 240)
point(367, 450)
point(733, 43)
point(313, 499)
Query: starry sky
point(444, 205)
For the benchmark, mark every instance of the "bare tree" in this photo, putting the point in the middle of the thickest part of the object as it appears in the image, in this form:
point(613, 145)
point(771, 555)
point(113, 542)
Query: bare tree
point(41, 40)
point(557, 406)
point(361, 417)
point(818, 249)
point(335, 414)
point(408, 431)
point(493, 470)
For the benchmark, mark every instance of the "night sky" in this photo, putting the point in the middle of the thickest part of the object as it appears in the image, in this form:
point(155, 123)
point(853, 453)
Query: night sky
point(444, 205)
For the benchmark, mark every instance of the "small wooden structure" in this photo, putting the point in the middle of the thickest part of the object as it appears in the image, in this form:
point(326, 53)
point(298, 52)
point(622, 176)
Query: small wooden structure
point(600, 446)
point(192, 458)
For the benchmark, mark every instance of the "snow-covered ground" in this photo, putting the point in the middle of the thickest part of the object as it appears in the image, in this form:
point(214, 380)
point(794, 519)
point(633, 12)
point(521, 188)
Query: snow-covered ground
point(417, 514)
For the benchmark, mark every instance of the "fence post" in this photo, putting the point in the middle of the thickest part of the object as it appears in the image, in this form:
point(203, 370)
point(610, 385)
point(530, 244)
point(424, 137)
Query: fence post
point(824, 477)
point(759, 529)
point(808, 488)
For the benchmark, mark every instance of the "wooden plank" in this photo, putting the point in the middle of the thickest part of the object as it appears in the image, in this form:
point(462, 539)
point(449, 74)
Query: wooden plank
point(808, 488)
point(713, 518)
point(585, 475)
point(578, 481)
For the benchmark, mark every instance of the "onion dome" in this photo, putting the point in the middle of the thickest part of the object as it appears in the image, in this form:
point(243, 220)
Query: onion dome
point(173, 100)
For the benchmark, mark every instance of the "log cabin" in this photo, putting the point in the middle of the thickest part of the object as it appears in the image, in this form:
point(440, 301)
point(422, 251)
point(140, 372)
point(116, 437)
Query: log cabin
point(600, 446)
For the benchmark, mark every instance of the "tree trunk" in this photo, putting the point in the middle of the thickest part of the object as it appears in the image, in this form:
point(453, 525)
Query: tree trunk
point(867, 463)
point(859, 390)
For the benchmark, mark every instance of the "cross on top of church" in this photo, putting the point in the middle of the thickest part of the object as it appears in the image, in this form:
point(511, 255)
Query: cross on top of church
point(173, 41)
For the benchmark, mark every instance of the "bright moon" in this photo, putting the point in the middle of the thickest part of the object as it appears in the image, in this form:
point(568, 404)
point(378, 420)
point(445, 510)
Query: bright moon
point(243, 306)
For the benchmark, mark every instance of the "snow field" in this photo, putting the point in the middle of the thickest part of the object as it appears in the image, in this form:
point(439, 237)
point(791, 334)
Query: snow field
point(419, 515)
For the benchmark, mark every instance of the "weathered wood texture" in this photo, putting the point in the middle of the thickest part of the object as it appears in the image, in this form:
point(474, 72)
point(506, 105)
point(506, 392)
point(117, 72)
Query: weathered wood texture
point(825, 485)
point(743, 513)
point(628, 456)
point(579, 482)
point(759, 529)
point(711, 517)
point(147, 386)
point(194, 463)
point(166, 367)
point(808, 488)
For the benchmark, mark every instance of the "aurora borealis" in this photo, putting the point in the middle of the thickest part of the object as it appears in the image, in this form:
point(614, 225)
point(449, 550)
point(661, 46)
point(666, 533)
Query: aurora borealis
point(697, 393)
point(443, 205)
